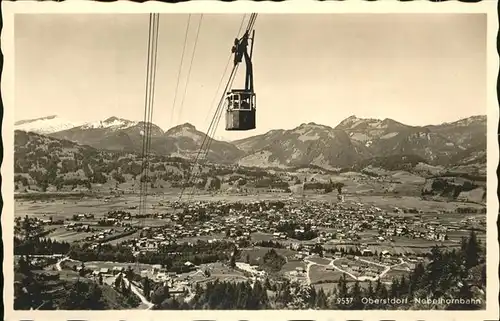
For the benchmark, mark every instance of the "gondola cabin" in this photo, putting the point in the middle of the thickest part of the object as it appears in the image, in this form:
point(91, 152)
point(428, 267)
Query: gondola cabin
point(240, 113)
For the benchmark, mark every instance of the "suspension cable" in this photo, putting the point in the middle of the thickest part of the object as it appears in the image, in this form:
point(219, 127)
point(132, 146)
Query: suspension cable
point(190, 65)
point(219, 111)
point(223, 75)
point(216, 118)
point(146, 101)
point(151, 105)
point(180, 68)
point(148, 108)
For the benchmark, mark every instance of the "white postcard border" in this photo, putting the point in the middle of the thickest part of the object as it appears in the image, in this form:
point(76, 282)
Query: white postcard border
point(9, 9)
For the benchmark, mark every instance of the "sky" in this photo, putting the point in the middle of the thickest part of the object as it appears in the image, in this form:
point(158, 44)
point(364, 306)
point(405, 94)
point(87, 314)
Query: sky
point(418, 69)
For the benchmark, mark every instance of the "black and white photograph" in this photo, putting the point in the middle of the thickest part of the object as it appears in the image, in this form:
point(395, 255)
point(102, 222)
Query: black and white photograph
point(251, 160)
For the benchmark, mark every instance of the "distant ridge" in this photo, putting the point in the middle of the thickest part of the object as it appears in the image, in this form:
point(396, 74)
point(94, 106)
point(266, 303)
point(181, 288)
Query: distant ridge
point(353, 141)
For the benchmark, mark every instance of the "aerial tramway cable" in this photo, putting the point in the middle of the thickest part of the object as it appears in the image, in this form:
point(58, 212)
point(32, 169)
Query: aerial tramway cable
point(207, 140)
point(191, 65)
point(218, 113)
point(148, 109)
point(207, 135)
point(180, 69)
point(223, 75)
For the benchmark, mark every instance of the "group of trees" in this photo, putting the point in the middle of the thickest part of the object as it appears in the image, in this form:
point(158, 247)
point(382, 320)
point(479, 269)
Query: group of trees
point(270, 243)
point(35, 290)
point(272, 261)
point(447, 187)
point(39, 246)
point(83, 296)
point(271, 182)
point(456, 274)
point(62, 163)
point(223, 296)
point(173, 256)
point(245, 296)
point(157, 293)
point(293, 230)
point(392, 162)
point(326, 186)
point(451, 274)
point(125, 289)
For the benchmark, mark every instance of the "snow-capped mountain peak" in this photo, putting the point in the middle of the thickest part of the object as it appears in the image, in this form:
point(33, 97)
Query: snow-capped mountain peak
point(45, 125)
point(111, 123)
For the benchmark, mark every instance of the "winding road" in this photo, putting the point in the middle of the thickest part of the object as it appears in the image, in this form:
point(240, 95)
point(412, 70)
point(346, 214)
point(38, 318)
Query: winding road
point(138, 293)
point(111, 281)
point(359, 278)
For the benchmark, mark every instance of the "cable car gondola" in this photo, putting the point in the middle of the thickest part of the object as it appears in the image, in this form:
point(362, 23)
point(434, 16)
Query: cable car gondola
point(240, 112)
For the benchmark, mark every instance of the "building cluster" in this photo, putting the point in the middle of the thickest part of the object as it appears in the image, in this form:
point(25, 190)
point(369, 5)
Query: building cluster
point(333, 223)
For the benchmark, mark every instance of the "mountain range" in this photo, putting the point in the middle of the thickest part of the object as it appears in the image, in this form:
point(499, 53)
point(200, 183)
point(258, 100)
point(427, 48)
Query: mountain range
point(354, 141)
point(44, 125)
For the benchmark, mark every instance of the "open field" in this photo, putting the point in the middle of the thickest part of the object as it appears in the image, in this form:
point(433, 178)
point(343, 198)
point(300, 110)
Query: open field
point(388, 202)
point(194, 239)
point(292, 266)
point(320, 274)
point(63, 235)
point(319, 260)
point(221, 272)
point(258, 236)
point(84, 203)
point(257, 253)
point(96, 265)
point(394, 273)
point(123, 239)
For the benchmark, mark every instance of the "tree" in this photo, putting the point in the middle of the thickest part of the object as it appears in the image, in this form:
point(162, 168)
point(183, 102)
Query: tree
point(321, 300)
point(394, 288)
point(318, 249)
point(82, 296)
point(472, 251)
point(232, 262)
point(118, 281)
point(342, 287)
point(267, 284)
point(160, 295)
point(129, 274)
point(416, 278)
point(82, 270)
point(370, 291)
point(28, 228)
point(403, 286)
point(146, 288)
point(124, 289)
point(356, 296)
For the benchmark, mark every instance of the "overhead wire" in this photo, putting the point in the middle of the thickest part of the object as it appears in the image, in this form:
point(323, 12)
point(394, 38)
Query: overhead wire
point(220, 109)
point(180, 69)
point(223, 75)
point(151, 104)
point(207, 136)
point(146, 101)
point(191, 65)
point(148, 109)
point(208, 139)
point(218, 113)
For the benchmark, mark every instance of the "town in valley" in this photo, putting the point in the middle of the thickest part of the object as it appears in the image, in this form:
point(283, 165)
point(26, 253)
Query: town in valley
point(294, 236)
